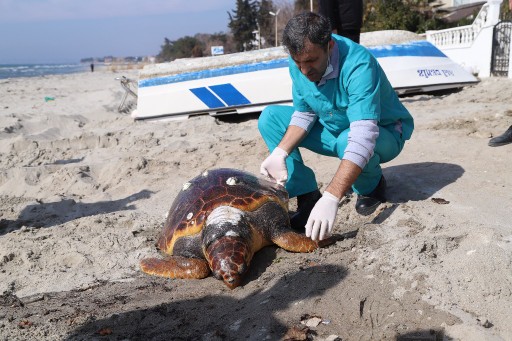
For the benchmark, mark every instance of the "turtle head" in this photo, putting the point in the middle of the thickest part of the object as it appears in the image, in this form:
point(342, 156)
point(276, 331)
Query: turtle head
point(227, 244)
point(228, 258)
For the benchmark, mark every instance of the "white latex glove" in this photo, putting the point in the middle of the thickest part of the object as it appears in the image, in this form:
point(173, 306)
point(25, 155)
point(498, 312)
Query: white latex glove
point(322, 217)
point(274, 166)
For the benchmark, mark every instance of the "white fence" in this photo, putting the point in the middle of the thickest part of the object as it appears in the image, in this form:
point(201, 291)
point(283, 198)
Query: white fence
point(471, 45)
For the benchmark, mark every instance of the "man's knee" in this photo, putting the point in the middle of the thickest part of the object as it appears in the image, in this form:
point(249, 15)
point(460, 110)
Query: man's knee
point(264, 119)
point(274, 118)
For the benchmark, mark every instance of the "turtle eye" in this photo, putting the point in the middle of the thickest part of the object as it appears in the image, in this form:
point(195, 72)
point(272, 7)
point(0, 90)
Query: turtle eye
point(242, 268)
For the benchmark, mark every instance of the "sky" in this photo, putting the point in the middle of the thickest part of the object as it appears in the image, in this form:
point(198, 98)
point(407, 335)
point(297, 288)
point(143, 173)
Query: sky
point(65, 31)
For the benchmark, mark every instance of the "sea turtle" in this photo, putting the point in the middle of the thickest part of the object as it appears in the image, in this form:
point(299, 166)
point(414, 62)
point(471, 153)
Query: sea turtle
point(218, 221)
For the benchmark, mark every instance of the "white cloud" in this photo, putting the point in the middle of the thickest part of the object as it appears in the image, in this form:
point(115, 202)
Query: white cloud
point(48, 10)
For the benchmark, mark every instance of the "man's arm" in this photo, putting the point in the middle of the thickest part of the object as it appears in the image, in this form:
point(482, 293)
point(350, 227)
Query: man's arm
point(322, 217)
point(291, 139)
point(343, 179)
point(360, 148)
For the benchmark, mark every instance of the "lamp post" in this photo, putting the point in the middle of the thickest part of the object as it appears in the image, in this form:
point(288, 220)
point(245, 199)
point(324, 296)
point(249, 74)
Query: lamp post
point(257, 35)
point(275, 15)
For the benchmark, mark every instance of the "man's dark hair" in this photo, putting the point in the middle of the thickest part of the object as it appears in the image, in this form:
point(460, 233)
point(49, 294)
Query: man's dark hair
point(307, 25)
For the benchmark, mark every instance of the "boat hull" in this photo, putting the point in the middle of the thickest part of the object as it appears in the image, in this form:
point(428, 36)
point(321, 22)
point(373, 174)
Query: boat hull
point(413, 67)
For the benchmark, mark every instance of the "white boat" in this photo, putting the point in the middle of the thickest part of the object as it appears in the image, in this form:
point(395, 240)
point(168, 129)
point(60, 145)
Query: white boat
point(247, 82)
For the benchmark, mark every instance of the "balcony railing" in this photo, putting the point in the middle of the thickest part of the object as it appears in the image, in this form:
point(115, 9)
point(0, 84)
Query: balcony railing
point(462, 36)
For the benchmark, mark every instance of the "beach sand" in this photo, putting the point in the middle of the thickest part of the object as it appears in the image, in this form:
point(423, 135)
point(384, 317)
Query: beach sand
point(84, 192)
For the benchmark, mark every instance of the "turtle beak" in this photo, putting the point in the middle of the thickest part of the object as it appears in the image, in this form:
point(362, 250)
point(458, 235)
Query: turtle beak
point(232, 281)
point(233, 278)
point(228, 260)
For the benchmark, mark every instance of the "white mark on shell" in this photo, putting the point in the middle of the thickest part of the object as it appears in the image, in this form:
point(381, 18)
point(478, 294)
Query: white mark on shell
point(224, 214)
point(232, 233)
point(190, 215)
point(224, 265)
point(231, 181)
point(186, 185)
point(205, 173)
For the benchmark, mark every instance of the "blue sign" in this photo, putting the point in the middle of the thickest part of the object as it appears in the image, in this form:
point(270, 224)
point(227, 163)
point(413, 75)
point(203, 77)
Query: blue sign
point(216, 50)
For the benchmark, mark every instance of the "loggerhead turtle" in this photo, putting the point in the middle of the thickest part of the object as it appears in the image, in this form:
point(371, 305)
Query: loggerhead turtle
point(218, 221)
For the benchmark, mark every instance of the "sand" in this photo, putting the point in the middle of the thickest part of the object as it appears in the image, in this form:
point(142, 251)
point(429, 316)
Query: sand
point(84, 191)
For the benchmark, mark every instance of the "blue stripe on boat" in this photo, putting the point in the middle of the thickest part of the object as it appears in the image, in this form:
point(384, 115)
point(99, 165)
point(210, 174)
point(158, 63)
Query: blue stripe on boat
point(225, 71)
point(420, 48)
point(207, 98)
point(229, 94)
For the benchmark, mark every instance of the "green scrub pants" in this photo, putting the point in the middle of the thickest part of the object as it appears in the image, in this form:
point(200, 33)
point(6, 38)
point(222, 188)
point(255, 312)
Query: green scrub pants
point(274, 121)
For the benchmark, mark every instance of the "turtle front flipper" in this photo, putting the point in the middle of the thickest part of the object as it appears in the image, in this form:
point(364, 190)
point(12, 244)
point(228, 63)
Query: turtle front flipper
point(296, 242)
point(176, 267)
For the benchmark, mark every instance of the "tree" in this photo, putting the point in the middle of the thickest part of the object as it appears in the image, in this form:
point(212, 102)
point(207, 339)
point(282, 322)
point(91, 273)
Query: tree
point(266, 22)
point(242, 23)
point(391, 15)
point(411, 15)
point(181, 48)
point(165, 51)
point(506, 10)
point(197, 51)
point(216, 39)
point(302, 5)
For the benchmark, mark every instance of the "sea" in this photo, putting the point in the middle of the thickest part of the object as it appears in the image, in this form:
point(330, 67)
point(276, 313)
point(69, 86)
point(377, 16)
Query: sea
point(36, 70)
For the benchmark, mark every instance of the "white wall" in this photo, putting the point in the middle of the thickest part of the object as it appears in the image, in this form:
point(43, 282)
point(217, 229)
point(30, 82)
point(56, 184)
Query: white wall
point(475, 58)
point(475, 52)
point(463, 2)
point(510, 60)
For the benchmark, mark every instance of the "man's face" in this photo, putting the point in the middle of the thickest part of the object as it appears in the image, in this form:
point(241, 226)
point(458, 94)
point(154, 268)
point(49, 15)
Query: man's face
point(313, 61)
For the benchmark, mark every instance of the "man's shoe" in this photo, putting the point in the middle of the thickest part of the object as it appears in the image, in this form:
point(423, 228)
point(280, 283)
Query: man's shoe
point(503, 139)
point(367, 204)
point(305, 204)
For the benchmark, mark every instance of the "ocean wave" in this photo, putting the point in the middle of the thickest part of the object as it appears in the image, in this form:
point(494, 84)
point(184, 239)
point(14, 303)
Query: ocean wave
point(36, 70)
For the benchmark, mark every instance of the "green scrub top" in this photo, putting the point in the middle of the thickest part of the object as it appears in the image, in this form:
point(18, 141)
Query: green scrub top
point(361, 91)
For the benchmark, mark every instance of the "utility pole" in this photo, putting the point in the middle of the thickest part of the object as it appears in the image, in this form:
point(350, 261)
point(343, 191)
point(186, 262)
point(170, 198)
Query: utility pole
point(257, 33)
point(275, 15)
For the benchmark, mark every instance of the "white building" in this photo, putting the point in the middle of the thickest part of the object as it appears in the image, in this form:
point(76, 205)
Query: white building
point(481, 46)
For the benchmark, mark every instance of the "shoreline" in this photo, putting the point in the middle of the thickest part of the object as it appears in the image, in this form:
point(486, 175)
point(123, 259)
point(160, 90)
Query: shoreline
point(57, 69)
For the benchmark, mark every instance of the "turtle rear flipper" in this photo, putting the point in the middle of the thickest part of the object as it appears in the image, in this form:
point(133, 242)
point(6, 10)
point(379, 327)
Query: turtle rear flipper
point(176, 267)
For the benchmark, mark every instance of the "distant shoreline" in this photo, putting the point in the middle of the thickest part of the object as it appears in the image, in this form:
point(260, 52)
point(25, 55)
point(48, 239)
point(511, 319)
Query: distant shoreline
point(30, 70)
